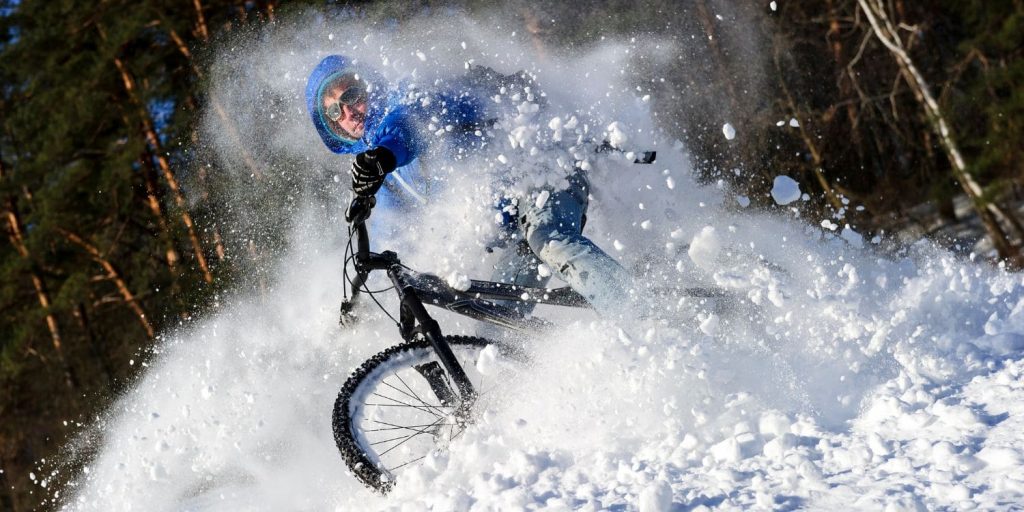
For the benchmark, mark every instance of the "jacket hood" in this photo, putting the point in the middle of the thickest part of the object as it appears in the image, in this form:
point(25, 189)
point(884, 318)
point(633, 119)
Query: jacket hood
point(329, 67)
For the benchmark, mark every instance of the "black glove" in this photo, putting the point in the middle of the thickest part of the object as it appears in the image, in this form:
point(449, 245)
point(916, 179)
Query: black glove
point(369, 170)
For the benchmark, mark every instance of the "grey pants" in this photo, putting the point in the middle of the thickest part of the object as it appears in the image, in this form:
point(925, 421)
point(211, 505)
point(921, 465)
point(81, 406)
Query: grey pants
point(552, 232)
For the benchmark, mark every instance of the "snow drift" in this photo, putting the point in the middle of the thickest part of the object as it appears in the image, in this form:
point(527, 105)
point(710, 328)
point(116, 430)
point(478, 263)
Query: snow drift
point(837, 378)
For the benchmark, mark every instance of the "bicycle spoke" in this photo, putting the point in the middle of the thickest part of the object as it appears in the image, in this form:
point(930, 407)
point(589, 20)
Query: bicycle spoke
point(399, 403)
point(418, 432)
point(407, 463)
point(385, 452)
point(414, 428)
point(413, 396)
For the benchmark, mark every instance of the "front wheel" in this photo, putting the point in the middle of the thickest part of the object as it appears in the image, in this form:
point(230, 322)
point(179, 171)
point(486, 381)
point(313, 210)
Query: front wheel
point(400, 405)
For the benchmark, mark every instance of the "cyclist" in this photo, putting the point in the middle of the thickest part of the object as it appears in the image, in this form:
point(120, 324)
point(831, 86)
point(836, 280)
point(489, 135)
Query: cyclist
point(387, 126)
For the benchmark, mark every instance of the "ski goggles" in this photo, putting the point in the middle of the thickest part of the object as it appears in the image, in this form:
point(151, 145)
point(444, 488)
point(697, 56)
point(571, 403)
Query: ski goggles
point(353, 95)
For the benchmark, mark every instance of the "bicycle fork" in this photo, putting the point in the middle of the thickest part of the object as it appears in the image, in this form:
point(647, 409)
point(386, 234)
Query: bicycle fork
point(414, 319)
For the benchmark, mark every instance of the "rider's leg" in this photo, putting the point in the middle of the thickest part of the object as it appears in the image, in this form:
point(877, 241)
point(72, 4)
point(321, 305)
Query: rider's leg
point(518, 265)
point(553, 228)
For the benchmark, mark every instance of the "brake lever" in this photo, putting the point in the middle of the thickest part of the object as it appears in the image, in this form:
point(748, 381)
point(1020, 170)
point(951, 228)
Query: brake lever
point(359, 209)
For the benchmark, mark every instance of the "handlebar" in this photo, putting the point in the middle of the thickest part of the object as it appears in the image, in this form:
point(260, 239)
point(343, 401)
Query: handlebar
point(358, 211)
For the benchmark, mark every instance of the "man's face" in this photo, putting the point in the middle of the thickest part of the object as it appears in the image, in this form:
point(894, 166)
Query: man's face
point(352, 122)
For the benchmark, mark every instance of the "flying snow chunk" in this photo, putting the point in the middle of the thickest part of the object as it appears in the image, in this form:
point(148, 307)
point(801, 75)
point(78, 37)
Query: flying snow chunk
point(542, 198)
point(420, 55)
point(794, 123)
point(487, 362)
point(773, 5)
point(785, 190)
point(616, 135)
point(728, 131)
point(704, 248)
point(829, 225)
point(459, 281)
point(744, 201)
point(852, 237)
point(710, 325)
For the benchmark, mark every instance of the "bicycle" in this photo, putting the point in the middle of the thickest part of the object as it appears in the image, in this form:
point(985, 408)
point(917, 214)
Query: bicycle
point(406, 401)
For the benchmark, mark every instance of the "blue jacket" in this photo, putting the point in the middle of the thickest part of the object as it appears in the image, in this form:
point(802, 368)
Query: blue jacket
point(395, 120)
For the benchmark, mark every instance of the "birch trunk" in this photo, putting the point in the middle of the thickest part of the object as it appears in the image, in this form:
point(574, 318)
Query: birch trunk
point(989, 213)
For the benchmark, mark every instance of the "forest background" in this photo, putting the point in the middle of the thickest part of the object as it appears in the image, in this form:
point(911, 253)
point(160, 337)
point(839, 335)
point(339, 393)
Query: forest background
point(907, 122)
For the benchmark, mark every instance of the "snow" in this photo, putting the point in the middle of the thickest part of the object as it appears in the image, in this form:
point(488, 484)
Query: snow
point(852, 237)
point(656, 497)
point(705, 247)
point(617, 135)
point(728, 131)
point(833, 378)
point(459, 281)
point(542, 198)
point(785, 190)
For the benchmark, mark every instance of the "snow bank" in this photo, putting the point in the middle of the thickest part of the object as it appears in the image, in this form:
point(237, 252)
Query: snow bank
point(832, 379)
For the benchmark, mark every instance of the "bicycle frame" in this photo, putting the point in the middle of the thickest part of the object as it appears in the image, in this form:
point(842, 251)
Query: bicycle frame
point(415, 290)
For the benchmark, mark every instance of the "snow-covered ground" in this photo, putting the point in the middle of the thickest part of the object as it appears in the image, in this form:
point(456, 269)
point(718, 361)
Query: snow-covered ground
point(837, 379)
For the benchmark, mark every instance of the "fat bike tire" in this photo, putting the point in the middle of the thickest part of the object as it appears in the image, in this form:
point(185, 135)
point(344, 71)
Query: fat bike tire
point(402, 380)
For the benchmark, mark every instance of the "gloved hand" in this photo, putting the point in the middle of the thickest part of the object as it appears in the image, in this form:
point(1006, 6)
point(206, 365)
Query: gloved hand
point(369, 170)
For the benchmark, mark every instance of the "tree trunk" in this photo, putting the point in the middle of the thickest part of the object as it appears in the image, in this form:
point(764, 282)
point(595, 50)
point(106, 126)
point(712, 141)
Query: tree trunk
point(18, 241)
point(817, 160)
point(201, 31)
point(989, 212)
point(114, 275)
point(218, 241)
point(165, 167)
point(835, 36)
point(153, 202)
point(536, 31)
